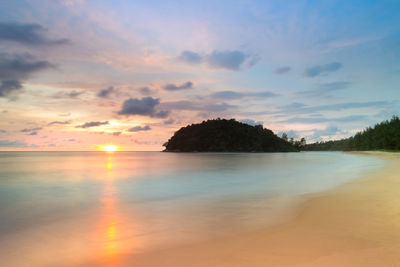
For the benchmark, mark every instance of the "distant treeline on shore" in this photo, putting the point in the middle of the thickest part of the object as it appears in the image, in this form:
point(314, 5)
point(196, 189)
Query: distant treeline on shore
point(222, 135)
point(383, 136)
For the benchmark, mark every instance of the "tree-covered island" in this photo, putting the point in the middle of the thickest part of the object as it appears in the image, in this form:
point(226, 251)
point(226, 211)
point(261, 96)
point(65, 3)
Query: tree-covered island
point(222, 135)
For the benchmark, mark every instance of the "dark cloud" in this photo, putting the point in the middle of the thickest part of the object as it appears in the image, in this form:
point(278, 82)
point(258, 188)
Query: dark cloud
point(33, 133)
point(237, 95)
point(27, 34)
point(8, 87)
point(283, 70)
point(139, 128)
point(229, 60)
point(251, 122)
point(92, 124)
point(58, 122)
point(68, 94)
point(161, 114)
point(116, 133)
point(146, 90)
point(16, 68)
point(322, 69)
point(106, 92)
point(168, 122)
point(20, 66)
point(145, 106)
point(2, 131)
point(175, 87)
point(31, 130)
point(190, 57)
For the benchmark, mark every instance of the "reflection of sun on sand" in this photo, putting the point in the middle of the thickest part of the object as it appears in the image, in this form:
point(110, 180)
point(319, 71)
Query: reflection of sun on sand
point(357, 224)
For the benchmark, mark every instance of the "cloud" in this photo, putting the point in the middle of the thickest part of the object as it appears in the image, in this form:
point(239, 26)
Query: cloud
point(33, 133)
point(139, 128)
point(197, 106)
point(68, 94)
point(116, 133)
point(27, 34)
point(14, 144)
point(300, 108)
point(58, 122)
point(20, 66)
point(322, 69)
point(8, 87)
point(2, 131)
point(312, 120)
point(106, 92)
point(31, 130)
point(237, 95)
point(168, 122)
point(190, 57)
point(283, 70)
point(92, 124)
point(290, 134)
point(228, 59)
point(325, 88)
point(174, 87)
point(16, 68)
point(328, 131)
point(145, 106)
point(146, 90)
point(335, 86)
point(251, 122)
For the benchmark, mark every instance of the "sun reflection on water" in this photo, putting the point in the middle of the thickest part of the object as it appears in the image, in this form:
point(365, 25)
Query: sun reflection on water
point(117, 232)
point(110, 216)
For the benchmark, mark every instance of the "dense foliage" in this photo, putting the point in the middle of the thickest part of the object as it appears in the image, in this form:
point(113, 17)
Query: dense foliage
point(221, 135)
point(383, 136)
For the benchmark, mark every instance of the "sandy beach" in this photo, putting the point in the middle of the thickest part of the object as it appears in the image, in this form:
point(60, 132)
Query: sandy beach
point(357, 224)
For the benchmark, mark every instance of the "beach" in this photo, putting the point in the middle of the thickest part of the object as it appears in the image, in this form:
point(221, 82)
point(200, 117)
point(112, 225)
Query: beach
point(355, 224)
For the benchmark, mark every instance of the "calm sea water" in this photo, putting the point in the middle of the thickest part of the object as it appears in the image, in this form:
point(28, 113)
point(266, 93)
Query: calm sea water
point(68, 208)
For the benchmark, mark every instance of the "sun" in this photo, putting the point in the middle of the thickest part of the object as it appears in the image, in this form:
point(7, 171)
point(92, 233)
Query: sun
point(108, 148)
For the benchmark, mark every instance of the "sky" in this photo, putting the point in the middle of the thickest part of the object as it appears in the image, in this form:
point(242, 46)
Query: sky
point(77, 74)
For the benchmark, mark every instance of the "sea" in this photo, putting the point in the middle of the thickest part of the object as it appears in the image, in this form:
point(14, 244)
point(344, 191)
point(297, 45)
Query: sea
point(68, 208)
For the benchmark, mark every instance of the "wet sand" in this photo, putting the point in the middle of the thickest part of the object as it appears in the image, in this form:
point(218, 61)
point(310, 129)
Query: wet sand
point(357, 224)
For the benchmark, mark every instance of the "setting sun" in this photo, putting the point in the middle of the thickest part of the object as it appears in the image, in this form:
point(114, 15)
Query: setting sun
point(108, 148)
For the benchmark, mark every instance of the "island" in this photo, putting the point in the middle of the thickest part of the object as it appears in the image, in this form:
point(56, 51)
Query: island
point(222, 135)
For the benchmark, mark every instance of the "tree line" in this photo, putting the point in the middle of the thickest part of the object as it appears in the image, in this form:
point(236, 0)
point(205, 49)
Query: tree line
point(383, 136)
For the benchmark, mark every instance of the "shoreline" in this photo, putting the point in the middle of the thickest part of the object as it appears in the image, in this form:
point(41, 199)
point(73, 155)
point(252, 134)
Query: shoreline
point(356, 224)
